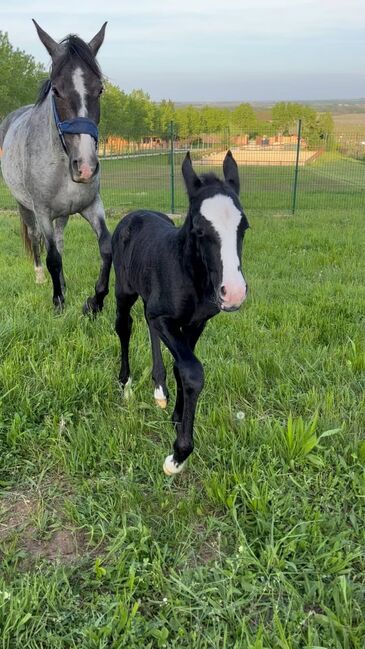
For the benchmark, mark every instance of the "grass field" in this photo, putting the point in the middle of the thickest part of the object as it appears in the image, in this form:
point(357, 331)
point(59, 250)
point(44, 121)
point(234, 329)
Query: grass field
point(259, 544)
point(332, 181)
point(350, 123)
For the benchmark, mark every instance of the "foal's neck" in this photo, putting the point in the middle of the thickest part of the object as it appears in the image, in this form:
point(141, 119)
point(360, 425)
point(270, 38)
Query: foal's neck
point(192, 261)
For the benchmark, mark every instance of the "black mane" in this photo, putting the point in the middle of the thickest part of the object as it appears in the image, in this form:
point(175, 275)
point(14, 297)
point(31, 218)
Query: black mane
point(76, 47)
point(43, 91)
point(209, 178)
point(73, 47)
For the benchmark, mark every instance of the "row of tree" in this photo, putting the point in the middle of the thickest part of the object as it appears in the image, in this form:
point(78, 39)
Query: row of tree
point(134, 115)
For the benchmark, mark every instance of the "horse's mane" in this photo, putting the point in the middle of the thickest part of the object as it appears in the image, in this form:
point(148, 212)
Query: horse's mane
point(209, 178)
point(74, 47)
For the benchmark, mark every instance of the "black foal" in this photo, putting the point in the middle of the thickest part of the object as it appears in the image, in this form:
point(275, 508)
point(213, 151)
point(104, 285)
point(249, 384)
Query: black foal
point(184, 276)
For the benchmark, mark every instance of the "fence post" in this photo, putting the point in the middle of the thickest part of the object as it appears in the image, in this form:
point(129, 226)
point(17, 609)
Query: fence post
point(172, 170)
point(296, 166)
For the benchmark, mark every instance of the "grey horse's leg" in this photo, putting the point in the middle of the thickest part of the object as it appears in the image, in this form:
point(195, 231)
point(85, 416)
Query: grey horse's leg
point(95, 215)
point(54, 259)
point(35, 238)
point(59, 226)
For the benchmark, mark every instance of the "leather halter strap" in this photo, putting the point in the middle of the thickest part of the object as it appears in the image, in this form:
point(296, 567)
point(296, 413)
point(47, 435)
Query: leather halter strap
point(74, 126)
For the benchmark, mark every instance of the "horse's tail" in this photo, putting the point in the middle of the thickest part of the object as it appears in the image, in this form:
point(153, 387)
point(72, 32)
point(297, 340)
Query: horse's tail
point(25, 237)
point(2, 135)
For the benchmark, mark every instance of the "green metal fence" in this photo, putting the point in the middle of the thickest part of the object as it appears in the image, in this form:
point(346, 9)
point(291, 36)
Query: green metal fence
point(279, 173)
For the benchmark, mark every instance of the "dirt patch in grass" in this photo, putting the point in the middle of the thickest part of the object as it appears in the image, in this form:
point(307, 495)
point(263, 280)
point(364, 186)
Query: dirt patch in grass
point(14, 513)
point(207, 547)
point(34, 523)
point(65, 546)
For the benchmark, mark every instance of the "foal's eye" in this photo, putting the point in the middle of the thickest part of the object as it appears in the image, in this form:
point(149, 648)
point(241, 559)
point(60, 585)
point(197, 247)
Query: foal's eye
point(55, 91)
point(199, 232)
point(101, 91)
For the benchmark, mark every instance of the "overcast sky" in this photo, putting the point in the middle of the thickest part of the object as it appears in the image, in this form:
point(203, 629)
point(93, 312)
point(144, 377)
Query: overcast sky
point(210, 50)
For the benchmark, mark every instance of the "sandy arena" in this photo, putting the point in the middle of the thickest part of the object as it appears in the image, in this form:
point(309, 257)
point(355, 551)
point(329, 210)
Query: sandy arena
point(264, 156)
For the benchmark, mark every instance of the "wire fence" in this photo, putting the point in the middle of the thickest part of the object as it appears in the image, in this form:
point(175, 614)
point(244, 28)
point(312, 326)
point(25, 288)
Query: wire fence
point(277, 173)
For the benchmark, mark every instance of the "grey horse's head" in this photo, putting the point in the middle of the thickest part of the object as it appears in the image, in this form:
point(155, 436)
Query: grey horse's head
point(76, 83)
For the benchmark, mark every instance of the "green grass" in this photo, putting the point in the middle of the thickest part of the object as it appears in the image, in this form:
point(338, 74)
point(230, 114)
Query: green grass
point(259, 544)
point(332, 181)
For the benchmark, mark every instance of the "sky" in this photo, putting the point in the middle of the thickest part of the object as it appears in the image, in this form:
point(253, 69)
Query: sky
point(210, 50)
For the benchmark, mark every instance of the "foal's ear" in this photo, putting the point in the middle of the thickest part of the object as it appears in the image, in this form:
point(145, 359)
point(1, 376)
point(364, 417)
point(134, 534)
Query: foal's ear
point(192, 181)
point(230, 171)
point(53, 48)
point(96, 42)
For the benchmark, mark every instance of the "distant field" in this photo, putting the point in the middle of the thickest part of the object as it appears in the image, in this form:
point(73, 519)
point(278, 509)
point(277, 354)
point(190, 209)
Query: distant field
point(354, 122)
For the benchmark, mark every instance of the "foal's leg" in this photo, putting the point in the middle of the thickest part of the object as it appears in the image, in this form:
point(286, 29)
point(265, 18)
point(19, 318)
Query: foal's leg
point(59, 226)
point(192, 334)
point(158, 370)
point(190, 372)
point(123, 327)
point(35, 238)
point(95, 215)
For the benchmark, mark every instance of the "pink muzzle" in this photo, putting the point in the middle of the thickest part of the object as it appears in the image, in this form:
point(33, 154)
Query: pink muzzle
point(85, 171)
point(234, 295)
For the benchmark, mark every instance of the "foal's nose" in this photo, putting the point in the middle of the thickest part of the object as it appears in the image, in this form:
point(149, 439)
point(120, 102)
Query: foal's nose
point(233, 295)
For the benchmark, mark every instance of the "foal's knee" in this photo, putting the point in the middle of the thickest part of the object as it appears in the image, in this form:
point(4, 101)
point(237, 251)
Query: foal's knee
point(192, 376)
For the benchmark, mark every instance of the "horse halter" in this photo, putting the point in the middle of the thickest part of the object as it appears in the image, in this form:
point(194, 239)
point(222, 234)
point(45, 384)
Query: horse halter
point(74, 126)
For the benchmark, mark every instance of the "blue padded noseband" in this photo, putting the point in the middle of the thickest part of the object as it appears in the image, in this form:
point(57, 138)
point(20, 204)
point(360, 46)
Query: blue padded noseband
point(74, 126)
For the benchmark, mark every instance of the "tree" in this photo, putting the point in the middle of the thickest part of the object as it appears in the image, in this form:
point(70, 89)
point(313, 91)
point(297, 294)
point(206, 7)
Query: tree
point(315, 127)
point(141, 115)
point(188, 121)
point(325, 125)
point(284, 116)
point(166, 114)
point(213, 119)
point(113, 111)
point(20, 77)
point(243, 119)
point(130, 116)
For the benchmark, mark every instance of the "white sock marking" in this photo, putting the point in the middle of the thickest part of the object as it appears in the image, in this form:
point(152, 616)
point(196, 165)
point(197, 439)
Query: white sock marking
point(159, 394)
point(171, 467)
point(160, 397)
point(40, 277)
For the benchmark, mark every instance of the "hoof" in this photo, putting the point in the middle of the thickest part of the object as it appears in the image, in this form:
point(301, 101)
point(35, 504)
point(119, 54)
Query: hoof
point(160, 397)
point(170, 466)
point(59, 304)
point(91, 307)
point(161, 403)
point(40, 277)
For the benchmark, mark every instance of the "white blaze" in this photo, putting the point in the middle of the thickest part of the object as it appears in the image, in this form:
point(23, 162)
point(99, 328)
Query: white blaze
point(225, 218)
point(87, 145)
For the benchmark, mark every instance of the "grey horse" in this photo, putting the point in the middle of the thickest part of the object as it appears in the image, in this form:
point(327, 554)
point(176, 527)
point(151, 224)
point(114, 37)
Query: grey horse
point(50, 161)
